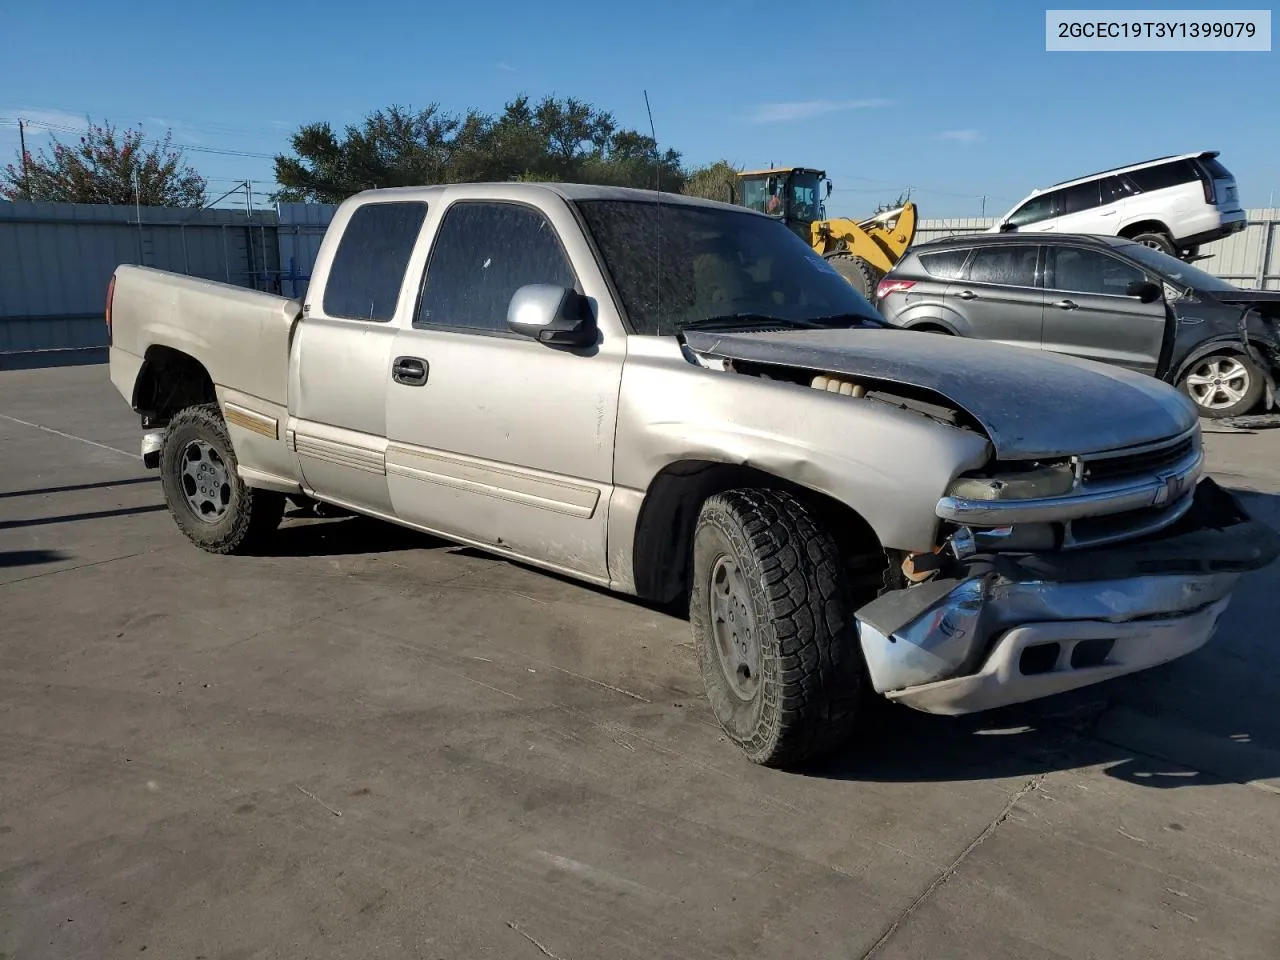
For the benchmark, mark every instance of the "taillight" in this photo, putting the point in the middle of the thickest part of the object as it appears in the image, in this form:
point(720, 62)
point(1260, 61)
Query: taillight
point(1206, 180)
point(111, 292)
point(886, 287)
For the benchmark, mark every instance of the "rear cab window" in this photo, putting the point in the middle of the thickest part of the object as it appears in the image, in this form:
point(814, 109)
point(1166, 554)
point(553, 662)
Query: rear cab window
point(369, 266)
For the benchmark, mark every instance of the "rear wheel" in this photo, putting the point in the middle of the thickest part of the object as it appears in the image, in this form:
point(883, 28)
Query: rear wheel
point(212, 506)
point(861, 274)
point(772, 626)
point(1158, 241)
point(1224, 385)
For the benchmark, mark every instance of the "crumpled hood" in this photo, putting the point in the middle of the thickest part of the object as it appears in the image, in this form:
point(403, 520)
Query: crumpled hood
point(1032, 404)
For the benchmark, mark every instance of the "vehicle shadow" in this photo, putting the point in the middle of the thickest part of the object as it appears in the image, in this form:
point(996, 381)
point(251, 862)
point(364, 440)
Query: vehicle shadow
point(30, 558)
point(344, 536)
point(71, 488)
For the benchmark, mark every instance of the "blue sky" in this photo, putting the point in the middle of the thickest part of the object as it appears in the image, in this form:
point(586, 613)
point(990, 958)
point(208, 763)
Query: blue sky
point(955, 99)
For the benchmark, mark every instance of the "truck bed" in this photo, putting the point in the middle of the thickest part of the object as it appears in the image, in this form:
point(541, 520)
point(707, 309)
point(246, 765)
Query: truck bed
point(241, 336)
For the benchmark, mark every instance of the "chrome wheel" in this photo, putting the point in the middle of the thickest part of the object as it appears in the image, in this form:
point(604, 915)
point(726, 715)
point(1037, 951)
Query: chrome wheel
point(1218, 383)
point(733, 627)
point(206, 482)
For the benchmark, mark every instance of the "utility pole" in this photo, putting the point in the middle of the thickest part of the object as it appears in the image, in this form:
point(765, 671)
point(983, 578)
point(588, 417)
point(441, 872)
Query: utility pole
point(984, 207)
point(22, 141)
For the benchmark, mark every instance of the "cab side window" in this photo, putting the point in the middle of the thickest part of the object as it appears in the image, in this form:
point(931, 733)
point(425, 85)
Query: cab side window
point(484, 252)
point(369, 266)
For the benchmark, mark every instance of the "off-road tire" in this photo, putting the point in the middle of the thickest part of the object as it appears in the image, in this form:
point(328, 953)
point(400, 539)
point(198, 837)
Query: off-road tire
point(251, 515)
point(1161, 241)
point(861, 275)
point(1252, 393)
point(812, 676)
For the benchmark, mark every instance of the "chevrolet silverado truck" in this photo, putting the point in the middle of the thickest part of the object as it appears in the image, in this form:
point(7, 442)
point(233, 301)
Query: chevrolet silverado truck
point(679, 400)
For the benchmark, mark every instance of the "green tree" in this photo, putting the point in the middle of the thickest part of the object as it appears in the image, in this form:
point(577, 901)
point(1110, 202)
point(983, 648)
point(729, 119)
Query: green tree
point(553, 139)
point(106, 167)
point(716, 181)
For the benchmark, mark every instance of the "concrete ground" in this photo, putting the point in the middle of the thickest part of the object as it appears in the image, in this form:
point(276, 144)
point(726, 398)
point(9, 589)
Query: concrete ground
point(370, 744)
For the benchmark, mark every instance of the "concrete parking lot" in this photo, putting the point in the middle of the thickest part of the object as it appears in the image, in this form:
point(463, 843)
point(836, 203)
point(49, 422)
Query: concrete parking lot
point(371, 744)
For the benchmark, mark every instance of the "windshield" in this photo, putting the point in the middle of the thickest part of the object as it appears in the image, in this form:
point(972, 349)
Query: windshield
point(1173, 269)
point(806, 200)
point(679, 264)
point(755, 193)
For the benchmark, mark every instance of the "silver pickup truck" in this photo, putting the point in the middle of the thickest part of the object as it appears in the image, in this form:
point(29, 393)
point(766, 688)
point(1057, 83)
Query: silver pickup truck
point(678, 400)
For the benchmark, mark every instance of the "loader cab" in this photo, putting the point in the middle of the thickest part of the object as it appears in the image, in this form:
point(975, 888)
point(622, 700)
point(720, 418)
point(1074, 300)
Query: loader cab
point(795, 195)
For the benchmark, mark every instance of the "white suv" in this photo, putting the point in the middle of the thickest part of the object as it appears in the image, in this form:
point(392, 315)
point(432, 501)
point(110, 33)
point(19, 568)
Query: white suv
point(1174, 204)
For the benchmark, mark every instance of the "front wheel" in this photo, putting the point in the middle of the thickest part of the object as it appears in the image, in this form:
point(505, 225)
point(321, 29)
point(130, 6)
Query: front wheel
point(211, 505)
point(1224, 385)
point(772, 626)
point(860, 274)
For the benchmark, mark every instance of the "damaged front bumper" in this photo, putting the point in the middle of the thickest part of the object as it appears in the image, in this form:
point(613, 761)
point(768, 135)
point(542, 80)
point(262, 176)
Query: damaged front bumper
point(997, 629)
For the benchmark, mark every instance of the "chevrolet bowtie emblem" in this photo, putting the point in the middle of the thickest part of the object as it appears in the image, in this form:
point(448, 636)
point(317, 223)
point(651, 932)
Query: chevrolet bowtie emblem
point(1168, 490)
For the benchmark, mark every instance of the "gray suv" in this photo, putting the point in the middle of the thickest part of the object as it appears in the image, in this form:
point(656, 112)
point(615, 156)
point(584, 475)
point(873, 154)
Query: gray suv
point(1099, 298)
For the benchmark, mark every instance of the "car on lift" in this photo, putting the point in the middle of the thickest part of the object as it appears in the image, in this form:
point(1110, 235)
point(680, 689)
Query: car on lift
point(1174, 204)
point(1099, 298)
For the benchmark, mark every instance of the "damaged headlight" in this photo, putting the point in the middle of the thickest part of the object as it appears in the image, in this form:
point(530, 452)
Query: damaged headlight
point(1042, 480)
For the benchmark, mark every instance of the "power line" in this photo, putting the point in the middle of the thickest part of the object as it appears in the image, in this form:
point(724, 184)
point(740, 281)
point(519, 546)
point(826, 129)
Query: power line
point(64, 128)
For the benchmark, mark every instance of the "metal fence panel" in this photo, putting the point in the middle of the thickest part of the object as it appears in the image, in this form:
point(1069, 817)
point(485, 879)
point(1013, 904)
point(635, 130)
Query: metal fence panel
point(56, 259)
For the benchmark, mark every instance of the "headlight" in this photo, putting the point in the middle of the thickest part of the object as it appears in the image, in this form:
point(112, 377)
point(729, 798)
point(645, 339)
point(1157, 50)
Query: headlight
point(1045, 481)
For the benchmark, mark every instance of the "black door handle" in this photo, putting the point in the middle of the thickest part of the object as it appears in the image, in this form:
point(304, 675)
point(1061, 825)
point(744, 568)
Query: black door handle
point(410, 371)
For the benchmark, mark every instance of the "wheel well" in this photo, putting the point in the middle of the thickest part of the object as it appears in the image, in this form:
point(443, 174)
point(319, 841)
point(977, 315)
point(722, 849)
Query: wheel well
point(169, 381)
point(928, 326)
point(662, 549)
point(1145, 226)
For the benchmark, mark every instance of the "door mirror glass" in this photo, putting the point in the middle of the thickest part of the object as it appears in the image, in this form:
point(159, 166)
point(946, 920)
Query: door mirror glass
point(1144, 290)
point(553, 315)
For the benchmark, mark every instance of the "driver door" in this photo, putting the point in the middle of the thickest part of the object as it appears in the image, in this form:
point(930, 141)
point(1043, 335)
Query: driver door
point(505, 442)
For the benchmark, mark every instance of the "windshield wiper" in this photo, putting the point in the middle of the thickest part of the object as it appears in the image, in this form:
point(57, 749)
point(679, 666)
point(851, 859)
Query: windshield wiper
point(729, 320)
point(852, 319)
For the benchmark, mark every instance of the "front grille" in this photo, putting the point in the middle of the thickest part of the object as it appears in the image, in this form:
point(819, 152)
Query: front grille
point(1145, 463)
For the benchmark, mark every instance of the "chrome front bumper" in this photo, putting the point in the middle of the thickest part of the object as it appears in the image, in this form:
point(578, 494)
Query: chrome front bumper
point(988, 644)
point(998, 630)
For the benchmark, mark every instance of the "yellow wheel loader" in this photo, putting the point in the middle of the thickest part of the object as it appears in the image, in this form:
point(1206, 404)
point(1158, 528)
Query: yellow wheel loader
point(861, 251)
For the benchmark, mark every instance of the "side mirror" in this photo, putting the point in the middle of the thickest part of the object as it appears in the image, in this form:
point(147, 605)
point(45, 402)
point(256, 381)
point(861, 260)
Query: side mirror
point(828, 188)
point(1007, 227)
point(1144, 290)
point(553, 315)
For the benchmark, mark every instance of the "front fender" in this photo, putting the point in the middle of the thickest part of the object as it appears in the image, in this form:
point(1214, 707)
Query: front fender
point(888, 464)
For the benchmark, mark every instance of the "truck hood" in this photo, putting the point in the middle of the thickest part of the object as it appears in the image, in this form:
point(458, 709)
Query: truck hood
point(1031, 404)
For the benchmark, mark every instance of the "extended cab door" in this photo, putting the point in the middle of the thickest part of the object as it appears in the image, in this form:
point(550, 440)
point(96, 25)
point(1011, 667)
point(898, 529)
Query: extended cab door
point(503, 441)
point(341, 354)
point(1087, 314)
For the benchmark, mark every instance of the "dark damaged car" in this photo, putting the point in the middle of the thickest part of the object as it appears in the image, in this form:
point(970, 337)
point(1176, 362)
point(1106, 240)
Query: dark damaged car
point(1099, 298)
